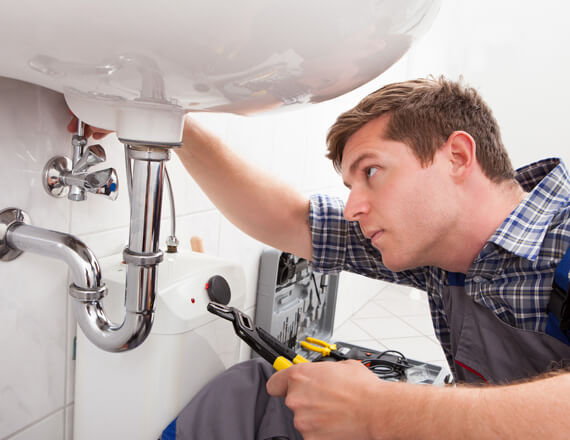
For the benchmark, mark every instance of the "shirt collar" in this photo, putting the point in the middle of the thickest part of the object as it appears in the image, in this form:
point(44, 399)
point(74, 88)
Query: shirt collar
point(523, 231)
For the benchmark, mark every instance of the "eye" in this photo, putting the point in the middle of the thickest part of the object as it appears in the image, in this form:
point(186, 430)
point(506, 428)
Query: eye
point(370, 171)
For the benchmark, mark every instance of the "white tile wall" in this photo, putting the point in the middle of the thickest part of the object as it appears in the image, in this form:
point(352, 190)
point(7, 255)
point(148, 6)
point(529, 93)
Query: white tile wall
point(36, 331)
point(51, 427)
point(36, 327)
point(33, 290)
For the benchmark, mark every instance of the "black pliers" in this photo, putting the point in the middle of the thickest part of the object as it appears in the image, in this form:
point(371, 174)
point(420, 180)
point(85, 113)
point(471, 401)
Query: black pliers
point(261, 341)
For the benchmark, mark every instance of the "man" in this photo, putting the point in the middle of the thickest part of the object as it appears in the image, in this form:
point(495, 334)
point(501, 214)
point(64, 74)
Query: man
point(434, 203)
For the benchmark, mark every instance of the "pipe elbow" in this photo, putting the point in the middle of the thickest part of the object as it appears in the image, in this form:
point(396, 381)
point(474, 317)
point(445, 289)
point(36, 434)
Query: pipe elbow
point(87, 288)
point(113, 338)
point(84, 266)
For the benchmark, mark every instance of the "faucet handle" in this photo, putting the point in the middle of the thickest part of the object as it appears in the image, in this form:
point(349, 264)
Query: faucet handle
point(104, 182)
point(93, 155)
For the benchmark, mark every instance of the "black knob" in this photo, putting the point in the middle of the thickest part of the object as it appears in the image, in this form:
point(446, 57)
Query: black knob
point(219, 290)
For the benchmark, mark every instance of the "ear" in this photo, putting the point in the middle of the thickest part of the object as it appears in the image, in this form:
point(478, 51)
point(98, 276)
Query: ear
point(461, 154)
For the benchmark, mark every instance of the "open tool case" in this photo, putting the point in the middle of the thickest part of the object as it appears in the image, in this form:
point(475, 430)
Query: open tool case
point(294, 302)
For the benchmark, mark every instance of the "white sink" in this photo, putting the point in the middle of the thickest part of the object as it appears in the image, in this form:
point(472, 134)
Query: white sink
point(127, 65)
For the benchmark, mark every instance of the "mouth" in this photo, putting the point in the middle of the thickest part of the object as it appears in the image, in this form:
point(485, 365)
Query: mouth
point(374, 235)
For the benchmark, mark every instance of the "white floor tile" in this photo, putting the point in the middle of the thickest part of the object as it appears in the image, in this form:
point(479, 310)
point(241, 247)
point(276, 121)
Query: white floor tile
point(354, 291)
point(404, 305)
point(384, 328)
point(391, 287)
point(350, 332)
point(396, 291)
point(372, 310)
point(396, 318)
point(423, 324)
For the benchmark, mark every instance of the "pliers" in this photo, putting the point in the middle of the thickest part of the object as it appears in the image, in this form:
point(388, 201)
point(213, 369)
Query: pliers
point(261, 341)
point(324, 348)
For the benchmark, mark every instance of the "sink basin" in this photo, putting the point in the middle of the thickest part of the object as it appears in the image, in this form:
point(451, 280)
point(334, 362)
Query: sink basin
point(123, 64)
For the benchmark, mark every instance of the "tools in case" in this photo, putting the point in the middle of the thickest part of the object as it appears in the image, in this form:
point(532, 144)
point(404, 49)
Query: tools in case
point(389, 365)
point(294, 321)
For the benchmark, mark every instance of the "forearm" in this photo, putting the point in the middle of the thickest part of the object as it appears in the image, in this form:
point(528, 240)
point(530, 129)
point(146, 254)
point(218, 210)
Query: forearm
point(255, 202)
point(537, 409)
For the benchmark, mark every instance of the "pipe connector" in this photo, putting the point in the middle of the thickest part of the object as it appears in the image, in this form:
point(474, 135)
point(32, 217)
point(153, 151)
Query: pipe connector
point(8, 218)
point(142, 259)
point(87, 295)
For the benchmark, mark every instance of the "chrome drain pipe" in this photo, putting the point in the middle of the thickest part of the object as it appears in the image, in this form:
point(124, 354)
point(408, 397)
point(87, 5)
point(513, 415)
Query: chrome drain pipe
point(142, 256)
point(84, 267)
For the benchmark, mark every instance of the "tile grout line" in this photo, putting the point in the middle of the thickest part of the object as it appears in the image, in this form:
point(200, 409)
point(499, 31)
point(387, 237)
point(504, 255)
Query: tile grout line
point(393, 315)
point(35, 422)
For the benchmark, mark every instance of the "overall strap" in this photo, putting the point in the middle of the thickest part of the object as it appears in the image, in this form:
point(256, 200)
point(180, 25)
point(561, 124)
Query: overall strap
point(559, 306)
point(456, 279)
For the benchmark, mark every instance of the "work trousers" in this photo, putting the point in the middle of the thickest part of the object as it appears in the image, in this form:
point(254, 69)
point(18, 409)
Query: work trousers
point(235, 405)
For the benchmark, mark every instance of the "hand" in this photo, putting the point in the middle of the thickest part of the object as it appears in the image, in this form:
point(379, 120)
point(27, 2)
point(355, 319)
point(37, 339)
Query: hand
point(96, 133)
point(330, 400)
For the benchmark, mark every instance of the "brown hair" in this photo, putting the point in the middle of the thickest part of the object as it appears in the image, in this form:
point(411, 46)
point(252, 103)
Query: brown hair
point(424, 113)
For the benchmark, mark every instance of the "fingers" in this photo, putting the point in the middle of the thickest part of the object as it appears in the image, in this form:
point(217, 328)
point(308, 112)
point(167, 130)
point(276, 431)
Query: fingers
point(72, 126)
point(278, 383)
point(329, 400)
point(99, 135)
point(88, 130)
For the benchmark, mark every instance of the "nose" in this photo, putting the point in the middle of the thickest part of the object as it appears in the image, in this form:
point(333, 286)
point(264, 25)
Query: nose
point(356, 206)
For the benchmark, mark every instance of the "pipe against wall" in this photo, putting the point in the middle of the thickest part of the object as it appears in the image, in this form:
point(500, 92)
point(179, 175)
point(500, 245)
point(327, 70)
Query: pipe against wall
point(142, 256)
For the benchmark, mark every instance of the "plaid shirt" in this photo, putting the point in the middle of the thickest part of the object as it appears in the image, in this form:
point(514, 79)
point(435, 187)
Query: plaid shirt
point(512, 275)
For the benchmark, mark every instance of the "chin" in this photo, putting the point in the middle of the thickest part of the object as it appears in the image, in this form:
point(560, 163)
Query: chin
point(397, 266)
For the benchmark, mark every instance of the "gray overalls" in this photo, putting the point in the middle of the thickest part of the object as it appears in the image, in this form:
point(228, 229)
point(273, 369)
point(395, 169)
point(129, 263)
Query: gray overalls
point(486, 349)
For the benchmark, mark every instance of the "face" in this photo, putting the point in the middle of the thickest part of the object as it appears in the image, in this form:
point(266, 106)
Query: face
point(402, 207)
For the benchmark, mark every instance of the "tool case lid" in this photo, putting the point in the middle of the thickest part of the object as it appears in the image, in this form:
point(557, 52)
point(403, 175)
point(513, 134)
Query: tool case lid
point(293, 301)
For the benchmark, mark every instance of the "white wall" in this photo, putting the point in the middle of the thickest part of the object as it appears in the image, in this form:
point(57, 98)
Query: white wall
point(515, 53)
point(36, 328)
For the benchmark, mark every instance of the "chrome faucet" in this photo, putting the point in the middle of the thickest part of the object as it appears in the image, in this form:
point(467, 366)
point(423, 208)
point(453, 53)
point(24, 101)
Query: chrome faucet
point(62, 176)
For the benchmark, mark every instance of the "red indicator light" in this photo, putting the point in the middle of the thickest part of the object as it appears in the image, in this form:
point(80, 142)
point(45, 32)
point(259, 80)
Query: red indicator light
point(207, 286)
point(193, 300)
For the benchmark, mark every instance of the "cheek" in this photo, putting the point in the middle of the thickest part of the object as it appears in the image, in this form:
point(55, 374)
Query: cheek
point(402, 202)
point(415, 209)
point(432, 210)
